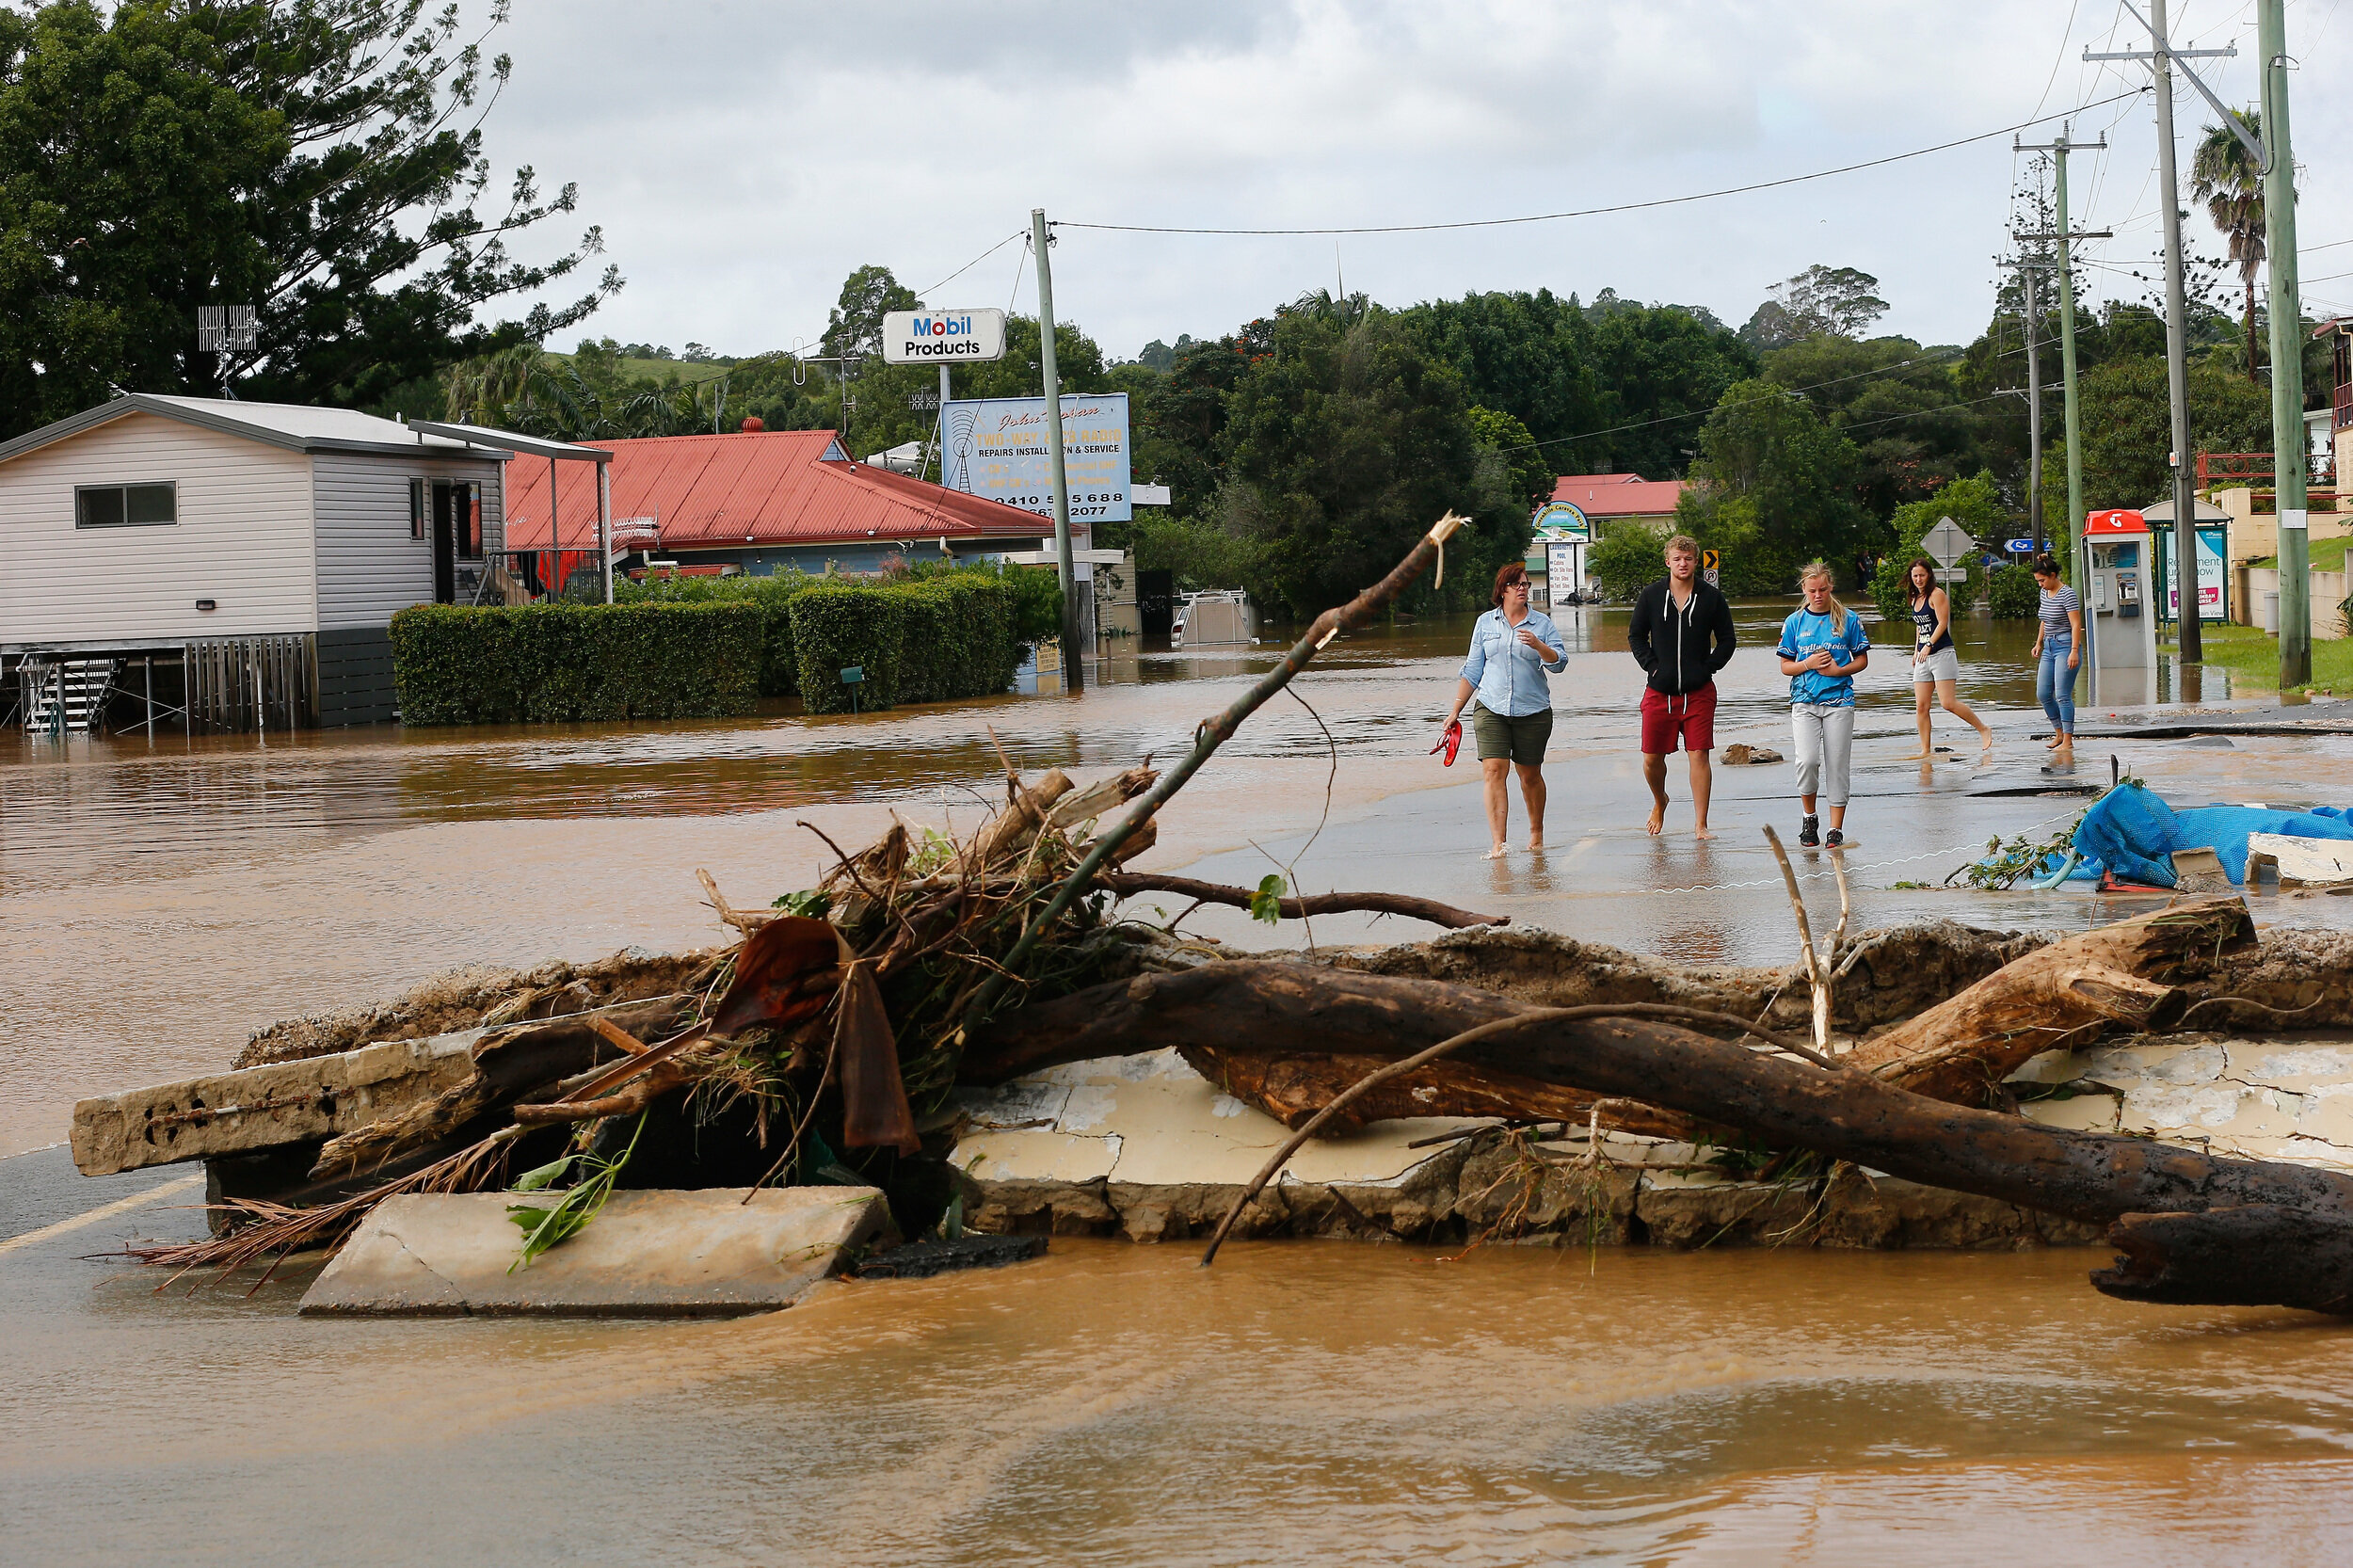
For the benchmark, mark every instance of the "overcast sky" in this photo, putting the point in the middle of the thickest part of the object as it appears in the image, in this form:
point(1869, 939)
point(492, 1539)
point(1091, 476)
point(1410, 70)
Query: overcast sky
point(743, 158)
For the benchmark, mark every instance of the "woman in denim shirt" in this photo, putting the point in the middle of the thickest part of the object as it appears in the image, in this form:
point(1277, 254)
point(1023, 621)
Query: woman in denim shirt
point(1513, 652)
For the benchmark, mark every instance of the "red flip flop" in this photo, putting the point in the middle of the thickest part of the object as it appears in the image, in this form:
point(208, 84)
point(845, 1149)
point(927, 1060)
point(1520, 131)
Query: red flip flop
point(1450, 743)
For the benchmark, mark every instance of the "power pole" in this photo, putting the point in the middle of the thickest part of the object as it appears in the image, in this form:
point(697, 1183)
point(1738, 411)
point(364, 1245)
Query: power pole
point(2288, 440)
point(2161, 58)
point(2188, 630)
point(2064, 236)
point(1073, 664)
point(2033, 409)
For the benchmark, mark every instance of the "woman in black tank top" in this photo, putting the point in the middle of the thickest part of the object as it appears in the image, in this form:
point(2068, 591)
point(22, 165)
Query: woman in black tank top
point(1935, 663)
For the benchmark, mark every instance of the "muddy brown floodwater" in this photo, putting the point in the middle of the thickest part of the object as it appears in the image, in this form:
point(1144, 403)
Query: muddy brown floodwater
point(1310, 1402)
point(1303, 1402)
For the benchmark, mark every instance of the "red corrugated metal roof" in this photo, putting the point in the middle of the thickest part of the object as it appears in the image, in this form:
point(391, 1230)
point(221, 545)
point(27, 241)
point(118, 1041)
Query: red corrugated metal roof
point(761, 486)
point(1618, 495)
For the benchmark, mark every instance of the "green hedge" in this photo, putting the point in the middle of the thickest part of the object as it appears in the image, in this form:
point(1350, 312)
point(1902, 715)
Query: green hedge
point(779, 674)
point(931, 639)
point(558, 663)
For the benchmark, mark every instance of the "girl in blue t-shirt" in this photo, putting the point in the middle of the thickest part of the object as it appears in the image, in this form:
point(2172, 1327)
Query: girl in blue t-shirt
point(1822, 645)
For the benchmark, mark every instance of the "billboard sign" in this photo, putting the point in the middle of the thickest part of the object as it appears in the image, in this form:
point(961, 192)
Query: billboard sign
point(995, 448)
point(2211, 548)
point(932, 337)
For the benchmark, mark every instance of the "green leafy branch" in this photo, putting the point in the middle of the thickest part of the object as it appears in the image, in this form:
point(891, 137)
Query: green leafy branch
point(581, 1203)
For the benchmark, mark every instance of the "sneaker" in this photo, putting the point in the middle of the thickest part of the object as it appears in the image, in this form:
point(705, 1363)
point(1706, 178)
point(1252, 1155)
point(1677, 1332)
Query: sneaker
point(1809, 833)
point(1836, 838)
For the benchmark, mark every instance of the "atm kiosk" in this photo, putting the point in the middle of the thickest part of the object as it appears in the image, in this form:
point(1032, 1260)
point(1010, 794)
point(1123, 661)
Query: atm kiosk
point(2114, 562)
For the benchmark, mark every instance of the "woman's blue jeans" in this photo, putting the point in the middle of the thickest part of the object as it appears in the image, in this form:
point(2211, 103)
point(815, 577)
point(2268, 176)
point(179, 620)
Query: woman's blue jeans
point(2055, 683)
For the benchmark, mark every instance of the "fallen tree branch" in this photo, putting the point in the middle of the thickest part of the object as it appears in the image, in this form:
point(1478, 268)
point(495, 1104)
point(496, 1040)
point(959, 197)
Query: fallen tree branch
point(2100, 1178)
point(2127, 976)
point(1128, 884)
point(1213, 733)
point(1444, 1048)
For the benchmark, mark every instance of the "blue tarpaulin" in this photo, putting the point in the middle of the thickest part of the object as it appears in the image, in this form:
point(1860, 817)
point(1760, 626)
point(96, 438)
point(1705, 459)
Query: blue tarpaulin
point(2131, 833)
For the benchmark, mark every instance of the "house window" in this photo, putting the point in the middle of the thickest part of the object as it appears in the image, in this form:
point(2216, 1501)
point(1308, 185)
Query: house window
point(125, 505)
point(416, 509)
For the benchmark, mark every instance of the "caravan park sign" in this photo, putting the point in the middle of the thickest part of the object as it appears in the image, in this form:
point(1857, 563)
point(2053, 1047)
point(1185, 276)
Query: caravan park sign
point(942, 337)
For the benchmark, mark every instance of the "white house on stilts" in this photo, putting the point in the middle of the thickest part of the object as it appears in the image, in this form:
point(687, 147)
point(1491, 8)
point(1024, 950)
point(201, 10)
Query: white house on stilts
point(220, 565)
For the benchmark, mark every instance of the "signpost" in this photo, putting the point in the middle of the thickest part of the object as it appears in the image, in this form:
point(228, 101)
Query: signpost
point(2018, 547)
point(1711, 567)
point(1947, 544)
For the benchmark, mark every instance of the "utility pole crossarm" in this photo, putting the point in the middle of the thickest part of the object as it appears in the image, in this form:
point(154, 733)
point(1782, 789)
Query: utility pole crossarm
point(2164, 51)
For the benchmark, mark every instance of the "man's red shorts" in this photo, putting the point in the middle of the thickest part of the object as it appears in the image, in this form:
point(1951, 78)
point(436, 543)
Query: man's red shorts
point(1690, 715)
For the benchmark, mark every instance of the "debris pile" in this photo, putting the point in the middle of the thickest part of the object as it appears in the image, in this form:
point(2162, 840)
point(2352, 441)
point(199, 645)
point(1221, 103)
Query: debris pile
point(828, 1047)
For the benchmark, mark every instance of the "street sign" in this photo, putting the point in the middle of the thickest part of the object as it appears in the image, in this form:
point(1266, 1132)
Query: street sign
point(1711, 566)
point(929, 337)
point(2018, 547)
point(1946, 543)
point(1952, 574)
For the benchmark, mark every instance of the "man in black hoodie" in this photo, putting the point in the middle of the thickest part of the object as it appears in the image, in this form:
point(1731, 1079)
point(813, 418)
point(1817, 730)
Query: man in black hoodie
point(1681, 635)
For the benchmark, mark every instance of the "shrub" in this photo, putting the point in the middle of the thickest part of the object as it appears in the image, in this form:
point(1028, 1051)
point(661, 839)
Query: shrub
point(2010, 592)
point(927, 639)
point(779, 674)
point(1627, 558)
point(1887, 588)
point(558, 663)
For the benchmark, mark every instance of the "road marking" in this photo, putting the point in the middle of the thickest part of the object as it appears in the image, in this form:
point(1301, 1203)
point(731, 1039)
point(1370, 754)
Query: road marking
point(104, 1212)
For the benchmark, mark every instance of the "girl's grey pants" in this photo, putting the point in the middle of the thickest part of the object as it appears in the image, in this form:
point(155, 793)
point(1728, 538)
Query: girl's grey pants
point(1825, 741)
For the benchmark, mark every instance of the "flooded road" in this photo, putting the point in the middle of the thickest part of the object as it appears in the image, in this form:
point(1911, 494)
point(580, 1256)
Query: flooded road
point(1303, 1402)
point(162, 899)
point(1111, 1403)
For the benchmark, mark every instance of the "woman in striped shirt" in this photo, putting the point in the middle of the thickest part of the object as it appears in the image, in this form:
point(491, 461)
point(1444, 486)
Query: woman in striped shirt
point(2058, 643)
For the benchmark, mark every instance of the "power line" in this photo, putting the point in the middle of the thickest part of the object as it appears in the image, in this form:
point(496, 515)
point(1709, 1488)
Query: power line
point(1621, 207)
point(973, 263)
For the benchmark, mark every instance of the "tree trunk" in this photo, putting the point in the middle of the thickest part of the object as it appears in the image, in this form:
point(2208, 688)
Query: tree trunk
point(2252, 368)
point(2256, 1255)
point(1292, 1088)
point(2127, 975)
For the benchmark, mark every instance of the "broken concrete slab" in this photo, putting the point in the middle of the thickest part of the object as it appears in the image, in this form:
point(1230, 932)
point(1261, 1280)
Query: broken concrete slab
point(2298, 862)
point(266, 1107)
point(648, 1254)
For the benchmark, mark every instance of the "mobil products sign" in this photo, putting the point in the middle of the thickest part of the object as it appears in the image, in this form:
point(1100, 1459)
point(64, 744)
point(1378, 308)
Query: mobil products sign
point(996, 447)
point(928, 337)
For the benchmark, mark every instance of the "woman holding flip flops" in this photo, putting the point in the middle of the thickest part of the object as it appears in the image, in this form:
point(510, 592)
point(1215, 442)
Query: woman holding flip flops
point(1513, 652)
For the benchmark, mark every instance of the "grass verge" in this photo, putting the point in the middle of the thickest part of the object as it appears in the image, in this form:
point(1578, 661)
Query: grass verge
point(2253, 657)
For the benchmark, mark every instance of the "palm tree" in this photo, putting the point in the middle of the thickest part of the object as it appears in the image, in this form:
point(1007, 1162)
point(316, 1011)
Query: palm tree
point(2225, 176)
